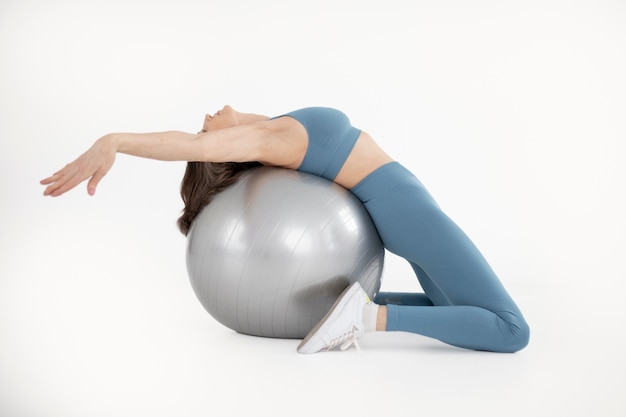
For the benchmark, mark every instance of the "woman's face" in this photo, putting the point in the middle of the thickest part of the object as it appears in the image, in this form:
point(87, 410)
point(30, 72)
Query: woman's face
point(227, 117)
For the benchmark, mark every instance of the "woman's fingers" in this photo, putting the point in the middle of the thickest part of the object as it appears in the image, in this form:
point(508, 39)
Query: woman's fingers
point(63, 180)
point(58, 187)
point(52, 178)
point(53, 183)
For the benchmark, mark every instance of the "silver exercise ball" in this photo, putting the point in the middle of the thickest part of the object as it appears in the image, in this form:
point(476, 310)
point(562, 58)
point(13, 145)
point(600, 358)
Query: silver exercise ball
point(272, 252)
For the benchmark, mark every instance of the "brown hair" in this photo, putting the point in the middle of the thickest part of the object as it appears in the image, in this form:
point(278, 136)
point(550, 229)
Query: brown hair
point(202, 181)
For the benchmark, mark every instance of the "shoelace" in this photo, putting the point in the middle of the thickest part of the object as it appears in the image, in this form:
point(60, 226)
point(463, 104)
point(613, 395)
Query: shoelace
point(346, 340)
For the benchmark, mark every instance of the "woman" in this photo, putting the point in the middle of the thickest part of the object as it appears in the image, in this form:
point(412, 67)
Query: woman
point(464, 304)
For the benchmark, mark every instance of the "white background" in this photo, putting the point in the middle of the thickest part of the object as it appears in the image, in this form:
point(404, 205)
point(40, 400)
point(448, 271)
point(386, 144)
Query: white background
point(512, 114)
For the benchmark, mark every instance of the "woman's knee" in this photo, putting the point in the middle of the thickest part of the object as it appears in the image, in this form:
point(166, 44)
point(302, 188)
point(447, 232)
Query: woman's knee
point(517, 333)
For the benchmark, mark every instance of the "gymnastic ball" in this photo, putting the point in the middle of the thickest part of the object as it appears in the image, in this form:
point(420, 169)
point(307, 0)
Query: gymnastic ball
point(271, 253)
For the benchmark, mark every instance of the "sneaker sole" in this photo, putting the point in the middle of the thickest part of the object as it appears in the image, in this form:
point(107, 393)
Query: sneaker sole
point(340, 303)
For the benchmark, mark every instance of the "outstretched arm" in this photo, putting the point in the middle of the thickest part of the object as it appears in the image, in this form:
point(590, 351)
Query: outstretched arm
point(235, 144)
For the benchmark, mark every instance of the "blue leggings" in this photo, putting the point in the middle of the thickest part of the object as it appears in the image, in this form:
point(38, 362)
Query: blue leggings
point(464, 304)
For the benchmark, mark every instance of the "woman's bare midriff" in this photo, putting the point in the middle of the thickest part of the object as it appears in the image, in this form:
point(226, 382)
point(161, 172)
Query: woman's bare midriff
point(365, 158)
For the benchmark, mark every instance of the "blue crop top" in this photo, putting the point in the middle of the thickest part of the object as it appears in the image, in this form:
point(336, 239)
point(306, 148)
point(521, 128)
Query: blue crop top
point(331, 138)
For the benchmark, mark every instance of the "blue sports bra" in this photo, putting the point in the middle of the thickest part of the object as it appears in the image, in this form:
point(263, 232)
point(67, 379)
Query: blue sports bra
point(331, 139)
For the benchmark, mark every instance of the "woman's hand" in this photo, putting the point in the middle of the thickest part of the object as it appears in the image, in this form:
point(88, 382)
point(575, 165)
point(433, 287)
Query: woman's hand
point(92, 165)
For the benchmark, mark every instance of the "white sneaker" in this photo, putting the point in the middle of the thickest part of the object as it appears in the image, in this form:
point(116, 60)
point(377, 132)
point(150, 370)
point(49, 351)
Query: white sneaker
point(341, 326)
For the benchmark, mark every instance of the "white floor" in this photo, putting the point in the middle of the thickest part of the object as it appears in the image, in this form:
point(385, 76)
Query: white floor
point(512, 115)
point(84, 336)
